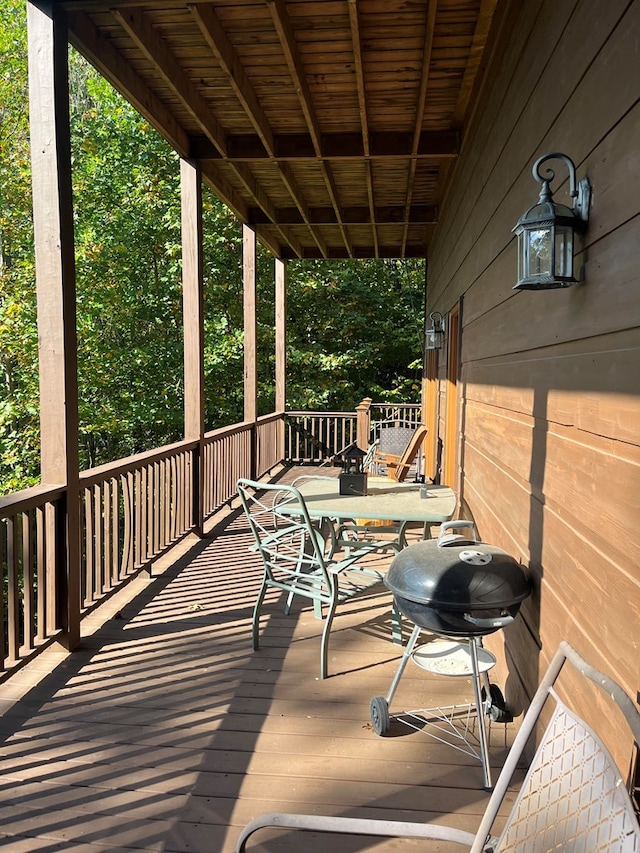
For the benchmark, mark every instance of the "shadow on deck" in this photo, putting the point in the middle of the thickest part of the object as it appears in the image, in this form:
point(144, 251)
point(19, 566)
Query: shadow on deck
point(165, 731)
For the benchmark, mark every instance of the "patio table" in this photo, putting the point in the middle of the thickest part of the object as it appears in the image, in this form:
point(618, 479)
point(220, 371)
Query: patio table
point(385, 499)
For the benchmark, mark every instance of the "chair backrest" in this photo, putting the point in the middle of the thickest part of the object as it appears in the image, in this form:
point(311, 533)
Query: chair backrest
point(573, 797)
point(399, 468)
point(289, 544)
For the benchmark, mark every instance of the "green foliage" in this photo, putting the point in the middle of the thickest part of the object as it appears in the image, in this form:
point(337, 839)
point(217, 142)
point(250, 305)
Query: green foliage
point(354, 328)
point(355, 331)
point(19, 424)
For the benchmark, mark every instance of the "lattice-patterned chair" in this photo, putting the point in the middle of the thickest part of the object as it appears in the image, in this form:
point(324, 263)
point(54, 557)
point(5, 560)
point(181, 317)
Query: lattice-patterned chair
point(573, 798)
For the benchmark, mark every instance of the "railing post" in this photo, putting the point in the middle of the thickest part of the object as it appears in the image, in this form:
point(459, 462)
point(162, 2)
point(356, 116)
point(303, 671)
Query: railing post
point(363, 426)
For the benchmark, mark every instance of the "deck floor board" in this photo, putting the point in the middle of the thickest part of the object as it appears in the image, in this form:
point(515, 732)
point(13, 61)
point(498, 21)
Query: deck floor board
point(165, 731)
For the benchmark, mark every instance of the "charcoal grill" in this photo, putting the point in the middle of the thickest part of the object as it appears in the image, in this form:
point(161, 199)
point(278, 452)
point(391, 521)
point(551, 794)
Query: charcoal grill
point(459, 589)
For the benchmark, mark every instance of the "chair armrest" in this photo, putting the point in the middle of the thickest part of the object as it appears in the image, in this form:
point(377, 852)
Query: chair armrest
point(354, 826)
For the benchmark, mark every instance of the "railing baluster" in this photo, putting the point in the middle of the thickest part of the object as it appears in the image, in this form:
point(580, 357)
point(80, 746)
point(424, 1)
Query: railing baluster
point(27, 581)
point(12, 591)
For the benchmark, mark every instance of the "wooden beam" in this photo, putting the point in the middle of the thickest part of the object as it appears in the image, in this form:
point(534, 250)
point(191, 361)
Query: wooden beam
point(223, 50)
point(120, 73)
point(286, 35)
point(480, 35)
point(154, 48)
point(431, 145)
point(362, 107)
point(56, 294)
point(424, 214)
point(282, 23)
point(91, 44)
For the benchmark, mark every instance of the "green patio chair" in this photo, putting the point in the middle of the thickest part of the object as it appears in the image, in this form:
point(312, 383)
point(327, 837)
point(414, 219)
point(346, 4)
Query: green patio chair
point(299, 556)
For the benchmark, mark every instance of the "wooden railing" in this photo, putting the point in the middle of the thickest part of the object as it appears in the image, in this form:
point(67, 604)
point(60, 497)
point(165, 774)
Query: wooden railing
point(397, 414)
point(134, 510)
point(31, 536)
point(314, 437)
point(131, 512)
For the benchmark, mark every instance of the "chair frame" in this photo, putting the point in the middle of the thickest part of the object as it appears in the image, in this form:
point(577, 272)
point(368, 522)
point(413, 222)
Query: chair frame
point(299, 556)
point(613, 795)
point(398, 466)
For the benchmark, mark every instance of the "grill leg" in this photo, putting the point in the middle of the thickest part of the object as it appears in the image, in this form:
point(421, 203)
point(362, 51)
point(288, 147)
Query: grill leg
point(482, 731)
point(403, 663)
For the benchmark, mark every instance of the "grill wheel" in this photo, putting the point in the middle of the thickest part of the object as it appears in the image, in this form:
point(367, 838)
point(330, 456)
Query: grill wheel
point(379, 712)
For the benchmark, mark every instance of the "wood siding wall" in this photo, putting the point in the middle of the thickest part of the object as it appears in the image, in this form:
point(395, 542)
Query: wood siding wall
point(549, 384)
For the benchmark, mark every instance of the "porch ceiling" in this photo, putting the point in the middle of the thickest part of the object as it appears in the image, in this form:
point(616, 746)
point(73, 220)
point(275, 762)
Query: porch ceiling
point(330, 126)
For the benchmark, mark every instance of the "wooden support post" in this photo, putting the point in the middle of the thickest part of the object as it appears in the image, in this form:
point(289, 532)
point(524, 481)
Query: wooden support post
point(281, 334)
point(281, 348)
point(56, 293)
point(193, 319)
point(249, 258)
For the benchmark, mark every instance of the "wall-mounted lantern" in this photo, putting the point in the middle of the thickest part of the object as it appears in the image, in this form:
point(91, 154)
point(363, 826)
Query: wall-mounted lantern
point(550, 234)
point(434, 335)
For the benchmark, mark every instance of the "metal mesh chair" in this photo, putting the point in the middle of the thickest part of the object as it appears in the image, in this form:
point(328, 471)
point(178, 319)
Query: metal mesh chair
point(573, 798)
point(299, 557)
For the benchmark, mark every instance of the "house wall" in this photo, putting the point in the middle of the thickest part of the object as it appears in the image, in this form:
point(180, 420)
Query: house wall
point(549, 402)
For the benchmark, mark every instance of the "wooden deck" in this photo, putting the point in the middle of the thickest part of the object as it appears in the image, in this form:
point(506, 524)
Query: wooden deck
point(164, 731)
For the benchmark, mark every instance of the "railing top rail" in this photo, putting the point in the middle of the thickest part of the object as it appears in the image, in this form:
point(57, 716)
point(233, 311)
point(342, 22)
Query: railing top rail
point(318, 414)
point(233, 429)
point(131, 463)
point(270, 418)
point(27, 499)
point(396, 405)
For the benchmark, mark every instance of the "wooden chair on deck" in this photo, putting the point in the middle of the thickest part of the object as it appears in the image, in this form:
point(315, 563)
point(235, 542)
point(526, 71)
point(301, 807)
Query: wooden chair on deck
point(573, 798)
point(396, 465)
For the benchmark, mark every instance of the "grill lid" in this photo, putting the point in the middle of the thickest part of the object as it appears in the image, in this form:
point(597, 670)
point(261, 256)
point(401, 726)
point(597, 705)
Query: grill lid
point(457, 574)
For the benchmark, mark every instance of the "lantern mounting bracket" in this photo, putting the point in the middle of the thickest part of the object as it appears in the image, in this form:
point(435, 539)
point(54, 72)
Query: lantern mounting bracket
point(579, 192)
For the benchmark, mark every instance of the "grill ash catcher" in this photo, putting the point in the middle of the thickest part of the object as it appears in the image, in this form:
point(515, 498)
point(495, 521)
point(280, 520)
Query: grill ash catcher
point(459, 589)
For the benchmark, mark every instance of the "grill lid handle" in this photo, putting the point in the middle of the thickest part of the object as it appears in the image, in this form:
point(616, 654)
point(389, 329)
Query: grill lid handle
point(489, 621)
point(445, 539)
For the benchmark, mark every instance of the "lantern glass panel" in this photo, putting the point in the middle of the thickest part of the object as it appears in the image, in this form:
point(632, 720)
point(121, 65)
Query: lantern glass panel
point(538, 253)
point(564, 251)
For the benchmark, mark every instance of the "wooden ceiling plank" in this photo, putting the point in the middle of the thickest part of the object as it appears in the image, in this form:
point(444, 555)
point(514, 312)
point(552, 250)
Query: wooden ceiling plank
point(429, 30)
point(483, 25)
point(223, 50)
point(362, 106)
point(286, 35)
point(140, 30)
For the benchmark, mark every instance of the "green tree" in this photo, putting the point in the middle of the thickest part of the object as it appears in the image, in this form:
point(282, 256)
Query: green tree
point(355, 331)
point(19, 424)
